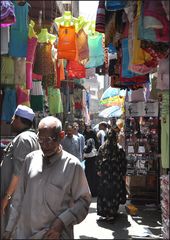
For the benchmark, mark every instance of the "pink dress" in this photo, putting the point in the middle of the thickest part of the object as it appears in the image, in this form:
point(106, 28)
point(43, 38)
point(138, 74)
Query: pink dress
point(32, 44)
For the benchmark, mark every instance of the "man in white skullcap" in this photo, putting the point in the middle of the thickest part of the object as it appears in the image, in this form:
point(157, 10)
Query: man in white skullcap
point(15, 152)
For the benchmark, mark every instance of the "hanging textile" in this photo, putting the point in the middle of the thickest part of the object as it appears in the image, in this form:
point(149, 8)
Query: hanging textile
point(54, 100)
point(96, 51)
point(36, 96)
point(19, 71)
point(19, 31)
point(100, 17)
point(9, 104)
point(7, 70)
point(75, 70)
point(7, 13)
point(23, 96)
point(59, 73)
point(66, 43)
point(43, 64)
point(115, 5)
point(82, 47)
point(4, 40)
point(32, 44)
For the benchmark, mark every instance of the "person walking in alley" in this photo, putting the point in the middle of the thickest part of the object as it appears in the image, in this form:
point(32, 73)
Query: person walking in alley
point(111, 169)
point(14, 155)
point(102, 133)
point(53, 193)
point(71, 142)
point(90, 155)
point(80, 137)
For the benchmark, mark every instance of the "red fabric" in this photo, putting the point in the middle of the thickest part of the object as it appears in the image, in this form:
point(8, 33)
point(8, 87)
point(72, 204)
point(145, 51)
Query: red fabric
point(67, 43)
point(75, 70)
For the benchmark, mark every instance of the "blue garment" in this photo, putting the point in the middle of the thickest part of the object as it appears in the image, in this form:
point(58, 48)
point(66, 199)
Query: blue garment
point(96, 51)
point(148, 34)
point(125, 60)
point(72, 145)
point(115, 5)
point(111, 48)
point(19, 32)
point(9, 104)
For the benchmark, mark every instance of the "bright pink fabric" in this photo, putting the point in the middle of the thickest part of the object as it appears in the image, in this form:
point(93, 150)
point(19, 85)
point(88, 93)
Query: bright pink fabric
point(32, 43)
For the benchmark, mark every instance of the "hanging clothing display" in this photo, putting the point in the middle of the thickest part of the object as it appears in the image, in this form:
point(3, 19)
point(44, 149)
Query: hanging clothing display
point(9, 104)
point(36, 96)
point(23, 96)
point(67, 43)
point(96, 51)
point(4, 40)
point(19, 31)
point(100, 17)
point(82, 47)
point(43, 64)
point(7, 13)
point(75, 70)
point(54, 100)
point(20, 71)
point(7, 70)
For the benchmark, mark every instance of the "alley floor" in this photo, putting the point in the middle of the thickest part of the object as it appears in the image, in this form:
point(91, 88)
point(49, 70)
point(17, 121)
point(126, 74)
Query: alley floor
point(146, 224)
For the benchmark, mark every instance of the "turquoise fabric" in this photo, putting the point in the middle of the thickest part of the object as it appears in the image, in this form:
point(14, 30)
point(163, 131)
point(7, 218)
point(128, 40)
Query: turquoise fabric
point(96, 51)
point(19, 32)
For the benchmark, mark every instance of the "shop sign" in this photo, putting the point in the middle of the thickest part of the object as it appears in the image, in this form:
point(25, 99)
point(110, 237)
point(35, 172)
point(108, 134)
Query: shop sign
point(138, 109)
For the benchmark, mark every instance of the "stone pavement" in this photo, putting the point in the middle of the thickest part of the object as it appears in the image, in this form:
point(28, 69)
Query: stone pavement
point(145, 225)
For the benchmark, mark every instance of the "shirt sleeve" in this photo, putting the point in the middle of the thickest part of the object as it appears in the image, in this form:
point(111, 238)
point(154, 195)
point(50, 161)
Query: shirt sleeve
point(82, 199)
point(21, 149)
point(16, 203)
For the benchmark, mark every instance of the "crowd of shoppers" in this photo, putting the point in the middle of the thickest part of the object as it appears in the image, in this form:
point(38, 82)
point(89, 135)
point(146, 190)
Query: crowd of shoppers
point(45, 190)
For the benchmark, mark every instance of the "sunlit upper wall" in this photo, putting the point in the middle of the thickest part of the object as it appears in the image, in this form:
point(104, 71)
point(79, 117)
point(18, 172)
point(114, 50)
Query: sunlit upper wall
point(88, 9)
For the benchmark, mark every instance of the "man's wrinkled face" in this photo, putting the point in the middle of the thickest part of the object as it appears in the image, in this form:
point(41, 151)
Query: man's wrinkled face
point(47, 141)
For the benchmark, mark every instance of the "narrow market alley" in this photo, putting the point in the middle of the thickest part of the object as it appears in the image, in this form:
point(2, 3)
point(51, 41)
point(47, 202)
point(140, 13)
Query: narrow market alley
point(146, 224)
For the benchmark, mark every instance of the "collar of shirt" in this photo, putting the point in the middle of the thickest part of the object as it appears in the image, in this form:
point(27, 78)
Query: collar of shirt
point(48, 161)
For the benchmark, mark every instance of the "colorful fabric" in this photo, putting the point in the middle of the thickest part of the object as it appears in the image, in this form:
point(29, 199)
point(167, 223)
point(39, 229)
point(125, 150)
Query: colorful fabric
point(23, 96)
point(4, 40)
point(100, 17)
point(43, 63)
point(115, 5)
point(7, 70)
point(9, 104)
point(67, 43)
point(96, 51)
point(54, 101)
point(75, 70)
point(82, 47)
point(31, 48)
point(7, 13)
point(20, 71)
point(19, 32)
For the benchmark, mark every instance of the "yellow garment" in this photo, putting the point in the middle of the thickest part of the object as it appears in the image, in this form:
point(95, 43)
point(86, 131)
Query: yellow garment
point(31, 32)
point(81, 23)
point(139, 56)
point(90, 28)
point(66, 20)
point(45, 37)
